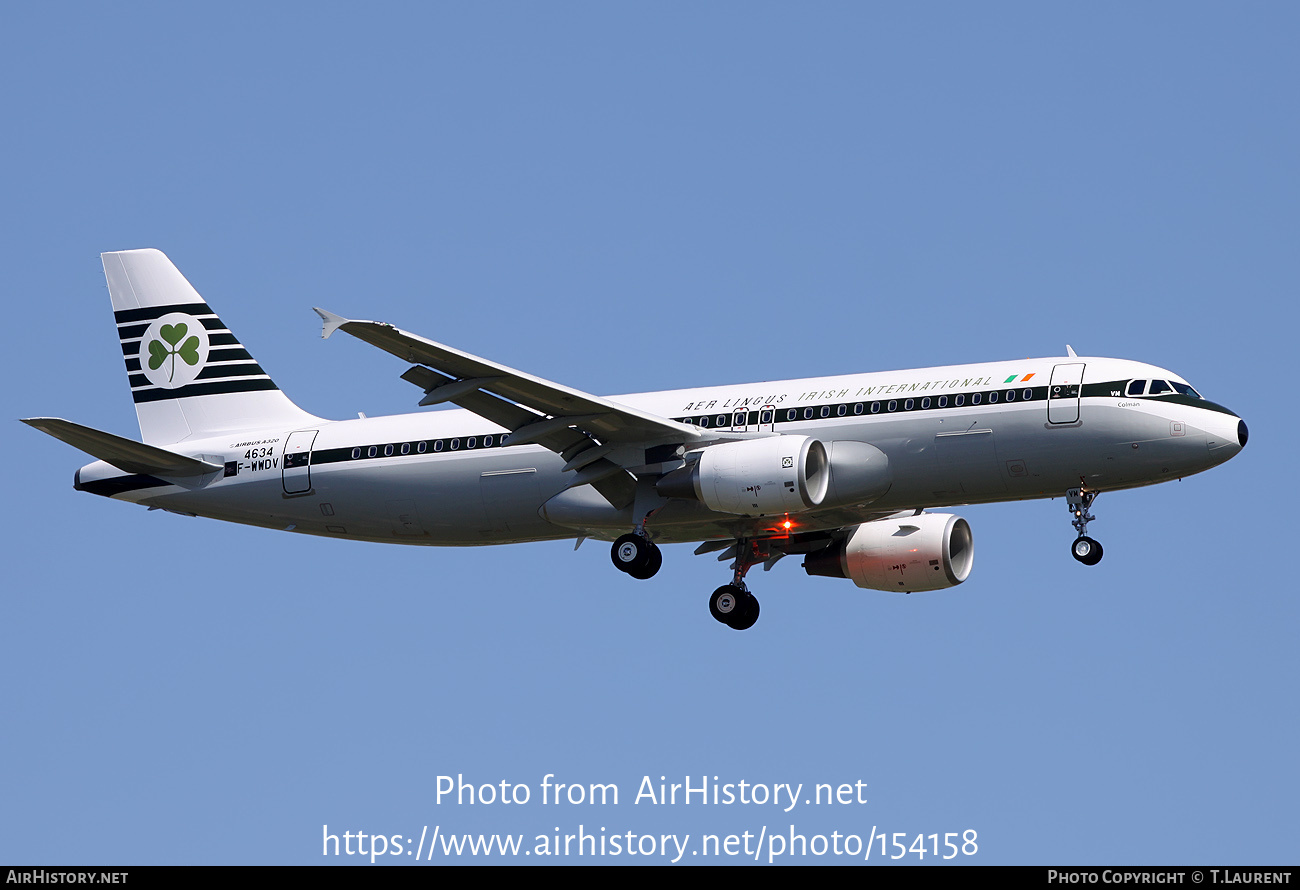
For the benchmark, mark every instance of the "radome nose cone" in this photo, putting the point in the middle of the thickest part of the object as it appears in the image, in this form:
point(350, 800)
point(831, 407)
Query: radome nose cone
point(1242, 433)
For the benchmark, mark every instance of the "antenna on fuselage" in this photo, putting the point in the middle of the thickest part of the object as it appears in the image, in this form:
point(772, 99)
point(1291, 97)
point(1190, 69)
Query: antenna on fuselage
point(1070, 351)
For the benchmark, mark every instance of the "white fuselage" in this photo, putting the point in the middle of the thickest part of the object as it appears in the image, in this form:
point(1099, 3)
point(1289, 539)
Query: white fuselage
point(961, 434)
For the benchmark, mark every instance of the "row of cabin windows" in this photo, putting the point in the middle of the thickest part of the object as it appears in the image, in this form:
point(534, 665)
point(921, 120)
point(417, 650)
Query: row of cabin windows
point(769, 415)
point(429, 445)
point(815, 412)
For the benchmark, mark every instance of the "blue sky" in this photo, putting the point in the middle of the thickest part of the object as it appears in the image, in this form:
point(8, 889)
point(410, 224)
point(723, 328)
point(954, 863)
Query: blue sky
point(623, 198)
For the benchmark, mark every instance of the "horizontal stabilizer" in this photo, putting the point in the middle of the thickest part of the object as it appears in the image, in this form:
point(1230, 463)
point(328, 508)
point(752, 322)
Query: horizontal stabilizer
point(125, 454)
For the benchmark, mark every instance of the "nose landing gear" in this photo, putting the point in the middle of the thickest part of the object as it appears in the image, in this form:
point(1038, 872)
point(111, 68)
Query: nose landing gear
point(1084, 549)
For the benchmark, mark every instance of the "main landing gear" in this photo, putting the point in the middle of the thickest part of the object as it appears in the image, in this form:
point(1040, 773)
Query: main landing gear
point(637, 556)
point(1084, 549)
point(733, 604)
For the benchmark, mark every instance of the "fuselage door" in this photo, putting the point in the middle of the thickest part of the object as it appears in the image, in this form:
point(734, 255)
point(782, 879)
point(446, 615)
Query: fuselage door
point(297, 461)
point(1063, 394)
point(765, 418)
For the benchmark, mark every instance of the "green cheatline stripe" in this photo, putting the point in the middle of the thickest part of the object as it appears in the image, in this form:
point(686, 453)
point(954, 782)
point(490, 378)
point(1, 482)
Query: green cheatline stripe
point(149, 313)
point(234, 369)
point(203, 389)
point(132, 347)
point(118, 484)
point(135, 331)
point(1190, 402)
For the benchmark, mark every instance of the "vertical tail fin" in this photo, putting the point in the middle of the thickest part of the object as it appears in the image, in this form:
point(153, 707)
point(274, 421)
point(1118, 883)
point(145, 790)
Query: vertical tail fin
point(190, 377)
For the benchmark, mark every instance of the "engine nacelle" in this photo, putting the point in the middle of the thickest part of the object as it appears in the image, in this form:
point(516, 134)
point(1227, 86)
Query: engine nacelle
point(860, 474)
point(907, 554)
point(755, 477)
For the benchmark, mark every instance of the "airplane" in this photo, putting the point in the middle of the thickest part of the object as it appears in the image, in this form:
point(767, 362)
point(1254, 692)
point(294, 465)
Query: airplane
point(839, 470)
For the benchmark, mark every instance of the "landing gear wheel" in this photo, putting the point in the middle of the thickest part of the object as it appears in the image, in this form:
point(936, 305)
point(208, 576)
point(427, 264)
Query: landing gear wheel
point(733, 606)
point(652, 565)
point(631, 553)
point(725, 603)
point(1086, 551)
point(748, 613)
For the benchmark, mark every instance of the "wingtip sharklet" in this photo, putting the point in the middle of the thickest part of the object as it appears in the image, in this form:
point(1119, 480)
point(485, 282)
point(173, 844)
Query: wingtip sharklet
point(330, 322)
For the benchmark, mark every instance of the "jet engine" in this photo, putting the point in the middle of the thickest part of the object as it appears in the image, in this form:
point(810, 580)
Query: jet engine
point(908, 554)
point(754, 477)
point(781, 474)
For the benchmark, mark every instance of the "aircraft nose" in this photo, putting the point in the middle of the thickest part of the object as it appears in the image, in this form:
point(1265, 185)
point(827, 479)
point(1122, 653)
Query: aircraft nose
point(1225, 434)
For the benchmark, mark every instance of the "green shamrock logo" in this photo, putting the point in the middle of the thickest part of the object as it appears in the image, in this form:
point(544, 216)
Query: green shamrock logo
point(160, 352)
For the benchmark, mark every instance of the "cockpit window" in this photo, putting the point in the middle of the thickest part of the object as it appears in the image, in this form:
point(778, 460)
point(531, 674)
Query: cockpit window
point(1160, 387)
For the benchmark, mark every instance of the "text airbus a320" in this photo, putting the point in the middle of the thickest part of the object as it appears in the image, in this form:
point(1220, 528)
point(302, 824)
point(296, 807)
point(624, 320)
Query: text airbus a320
point(839, 470)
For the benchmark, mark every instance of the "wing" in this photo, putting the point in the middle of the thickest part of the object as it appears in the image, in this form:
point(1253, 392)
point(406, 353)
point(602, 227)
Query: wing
point(585, 430)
